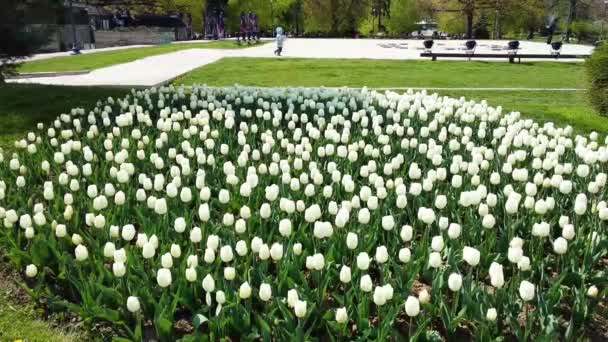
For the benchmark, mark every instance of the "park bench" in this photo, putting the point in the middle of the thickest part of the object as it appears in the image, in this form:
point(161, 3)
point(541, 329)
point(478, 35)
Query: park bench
point(511, 55)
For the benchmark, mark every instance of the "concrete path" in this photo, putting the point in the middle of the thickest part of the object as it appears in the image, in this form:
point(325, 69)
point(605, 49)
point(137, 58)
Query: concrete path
point(156, 70)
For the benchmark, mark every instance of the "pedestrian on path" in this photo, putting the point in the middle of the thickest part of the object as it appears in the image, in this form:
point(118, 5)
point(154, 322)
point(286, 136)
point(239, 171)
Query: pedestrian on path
point(280, 38)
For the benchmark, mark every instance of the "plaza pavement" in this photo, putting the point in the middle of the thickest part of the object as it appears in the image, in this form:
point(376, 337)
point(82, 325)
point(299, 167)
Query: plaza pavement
point(157, 70)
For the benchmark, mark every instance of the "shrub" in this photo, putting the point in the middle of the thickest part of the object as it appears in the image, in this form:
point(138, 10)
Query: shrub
point(597, 73)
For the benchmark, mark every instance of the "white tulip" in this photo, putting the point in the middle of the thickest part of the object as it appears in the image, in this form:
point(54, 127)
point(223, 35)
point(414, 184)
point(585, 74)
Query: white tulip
point(471, 256)
point(163, 277)
point(31, 271)
point(526, 290)
point(366, 283)
point(412, 306)
point(491, 315)
point(352, 240)
point(133, 304)
point(191, 274)
point(265, 292)
point(276, 251)
point(435, 260)
point(300, 309)
point(208, 283)
point(455, 282)
point(345, 274)
point(119, 269)
point(424, 297)
point(363, 261)
point(82, 253)
point(437, 243)
point(341, 315)
point(560, 245)
point(229, 273)
point(592, 291)
point(245, 290)
point(381, 254)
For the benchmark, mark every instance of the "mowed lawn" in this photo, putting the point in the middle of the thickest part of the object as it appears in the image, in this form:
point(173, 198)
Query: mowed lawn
point(560, 107)
point(386, 73)
point(23, 106)
point(91, 61)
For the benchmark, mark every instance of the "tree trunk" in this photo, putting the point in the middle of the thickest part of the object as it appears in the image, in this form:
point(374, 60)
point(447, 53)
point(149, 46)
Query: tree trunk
point(497, 22)
point(570, 19)
point(335, 21)
point(470, 15)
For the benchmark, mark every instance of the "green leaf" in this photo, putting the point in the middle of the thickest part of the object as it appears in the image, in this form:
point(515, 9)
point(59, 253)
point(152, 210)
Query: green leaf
point(199, 320)
point(163, 326)
point(41, 252)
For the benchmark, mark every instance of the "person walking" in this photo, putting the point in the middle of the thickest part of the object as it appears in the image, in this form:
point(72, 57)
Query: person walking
point(280, 38)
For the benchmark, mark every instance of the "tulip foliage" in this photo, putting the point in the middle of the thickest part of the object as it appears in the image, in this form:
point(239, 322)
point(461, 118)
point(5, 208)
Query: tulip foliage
point(302, 213)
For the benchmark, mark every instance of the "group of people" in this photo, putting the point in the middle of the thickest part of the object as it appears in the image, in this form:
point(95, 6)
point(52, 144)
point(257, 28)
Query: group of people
point(249, 29)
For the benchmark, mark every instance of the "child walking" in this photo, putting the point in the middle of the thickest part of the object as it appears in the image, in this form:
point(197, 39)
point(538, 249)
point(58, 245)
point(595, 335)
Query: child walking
point(280, 38)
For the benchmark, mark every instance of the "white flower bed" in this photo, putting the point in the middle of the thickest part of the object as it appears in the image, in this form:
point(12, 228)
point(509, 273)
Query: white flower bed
point(306, 212)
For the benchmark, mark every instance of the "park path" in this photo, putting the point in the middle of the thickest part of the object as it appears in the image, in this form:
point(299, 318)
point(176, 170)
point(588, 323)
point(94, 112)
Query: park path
point(157, 70)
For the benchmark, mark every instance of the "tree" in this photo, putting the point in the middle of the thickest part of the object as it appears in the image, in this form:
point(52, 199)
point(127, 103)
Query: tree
point(381, 8)
point(468, 8)
point(404, 14)
point(524, 16)
point(17, 41)
point(335, 16)
point(571, 17)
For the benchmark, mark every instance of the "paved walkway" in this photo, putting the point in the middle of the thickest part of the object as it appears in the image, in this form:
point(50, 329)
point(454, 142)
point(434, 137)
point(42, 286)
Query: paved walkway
point(159, 69)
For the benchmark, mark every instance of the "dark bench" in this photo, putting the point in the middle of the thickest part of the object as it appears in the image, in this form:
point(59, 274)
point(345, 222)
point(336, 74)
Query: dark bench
point(510, 57)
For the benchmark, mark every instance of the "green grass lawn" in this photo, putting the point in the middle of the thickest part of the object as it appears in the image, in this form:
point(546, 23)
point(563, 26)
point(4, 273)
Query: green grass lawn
point(560, 107)
point(23, 106)
point(386, 73)
point(21, 322)
point(97, 60)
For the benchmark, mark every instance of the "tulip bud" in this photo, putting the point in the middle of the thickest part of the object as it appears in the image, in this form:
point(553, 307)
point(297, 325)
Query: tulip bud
point(300, 308)
point(491, 315)
point(341, 315)
point(265, 292)
point(526, 290)
point(345, 274)
point(31, 271)
point(455, 282)
point(163, 277)
point(133, 304)
point(412, 306)
point(244, 290)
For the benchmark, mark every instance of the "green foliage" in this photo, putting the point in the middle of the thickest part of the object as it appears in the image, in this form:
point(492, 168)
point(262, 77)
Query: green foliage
point(16, 41)
point(586, 31)
point(404, 14)
point(523, 16)
point(480, 29)
point(450, 22)
point(337, 17)
point(597, 74)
